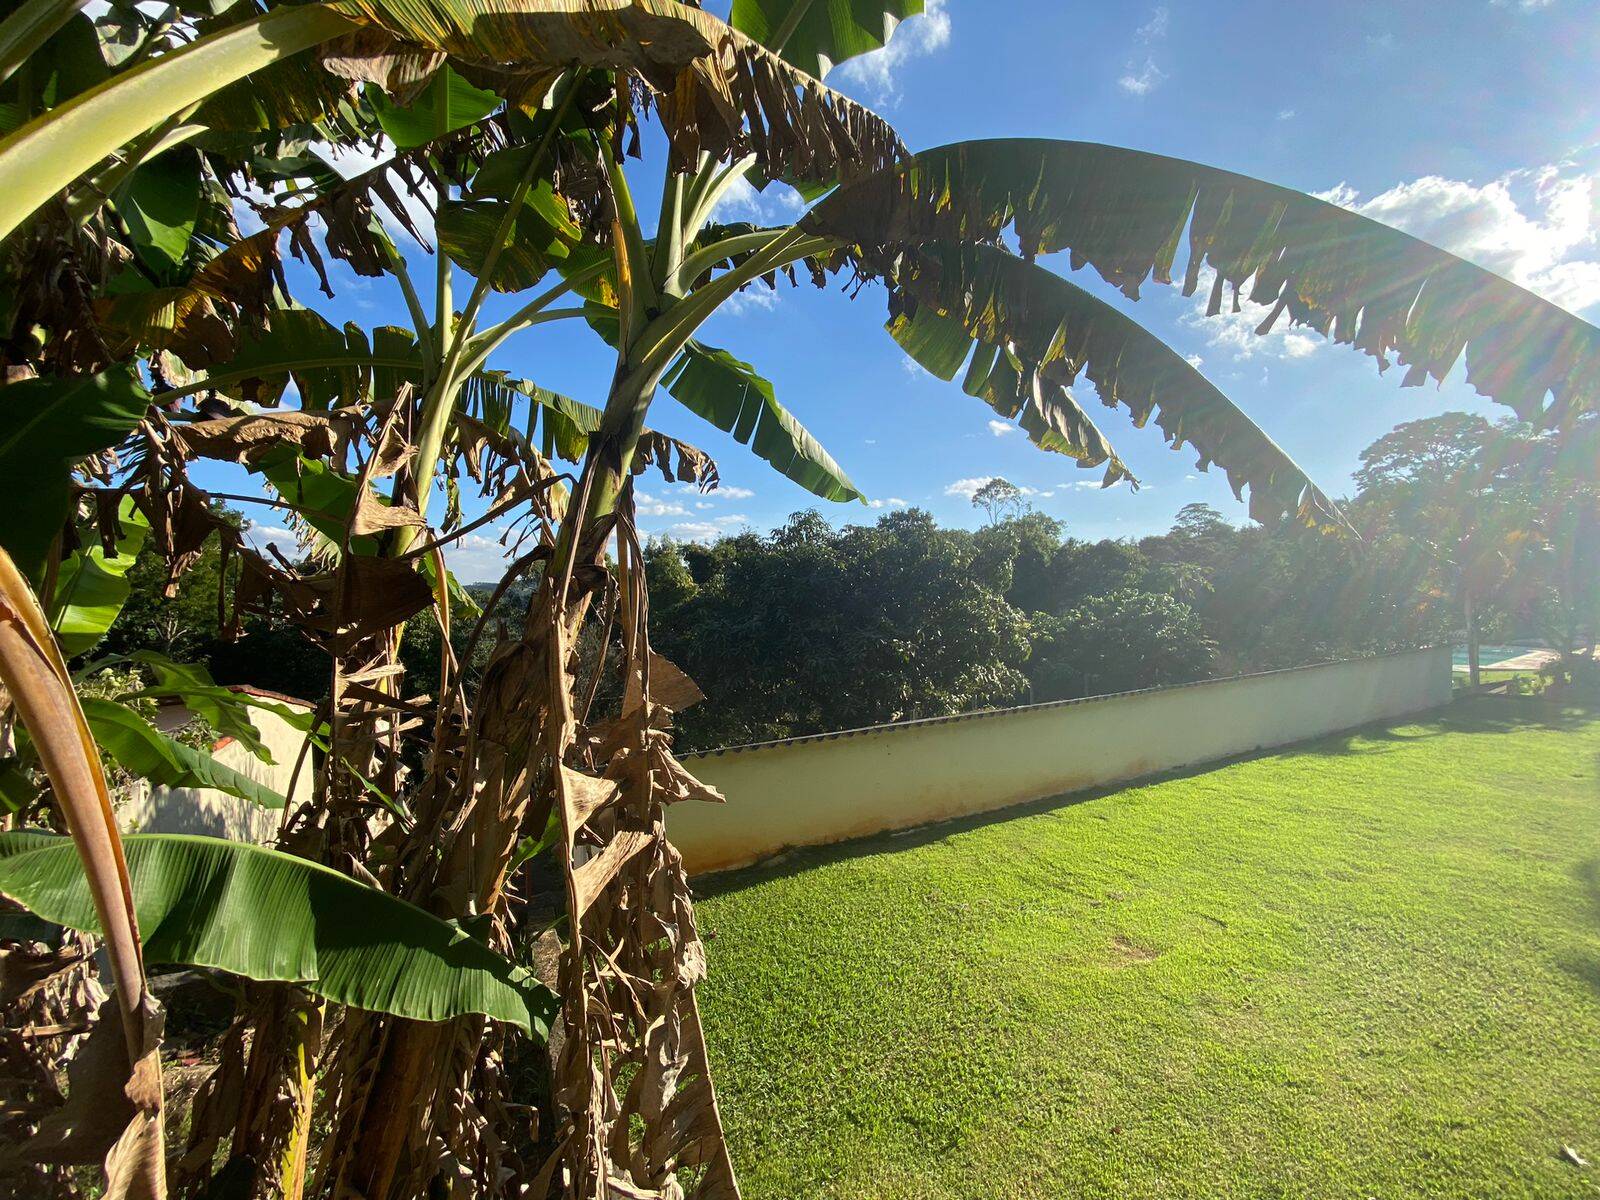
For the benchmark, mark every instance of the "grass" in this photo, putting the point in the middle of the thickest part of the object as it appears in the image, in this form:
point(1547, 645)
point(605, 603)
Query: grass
point(1364, 967)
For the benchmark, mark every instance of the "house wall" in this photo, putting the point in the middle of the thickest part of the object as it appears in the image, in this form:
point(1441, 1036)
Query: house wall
point(217, 814)
point(831, 787)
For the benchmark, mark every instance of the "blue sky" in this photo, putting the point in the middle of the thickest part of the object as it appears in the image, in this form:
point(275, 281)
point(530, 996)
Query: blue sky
point(1472, 123)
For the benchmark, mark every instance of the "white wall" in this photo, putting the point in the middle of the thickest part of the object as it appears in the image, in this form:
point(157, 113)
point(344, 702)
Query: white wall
point(828, 788)
point(217, 814)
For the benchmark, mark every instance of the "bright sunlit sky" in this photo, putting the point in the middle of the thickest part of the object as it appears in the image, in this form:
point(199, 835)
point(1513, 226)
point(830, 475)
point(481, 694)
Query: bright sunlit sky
point(1472, 123)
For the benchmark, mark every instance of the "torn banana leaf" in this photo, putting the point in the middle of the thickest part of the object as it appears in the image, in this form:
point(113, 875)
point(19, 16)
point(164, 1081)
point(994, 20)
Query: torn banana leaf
point(1037, 333)
point(717, 90)
point(1128, 214)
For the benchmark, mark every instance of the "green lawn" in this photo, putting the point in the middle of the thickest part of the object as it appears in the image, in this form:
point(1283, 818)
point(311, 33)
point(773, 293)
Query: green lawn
point(1366, 967)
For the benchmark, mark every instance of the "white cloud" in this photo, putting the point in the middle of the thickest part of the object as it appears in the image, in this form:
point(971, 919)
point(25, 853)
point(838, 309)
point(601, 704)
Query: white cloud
point(967, 488)
point(720, 492)
point(1235, 332)
point(889, 502)
point(1539, 228)
point(910, 365)
point(915, 37)
point(1286, 114)
point(1522, 5)
point(1155, 28)
point(1140, 80)
point(757, 297)
point(260, 536)
point(779, 204)
point(651, 506)
point(477, 558)
point(1001, 428)
point(1144, 80)
point(1194, 360)
point(696, 531)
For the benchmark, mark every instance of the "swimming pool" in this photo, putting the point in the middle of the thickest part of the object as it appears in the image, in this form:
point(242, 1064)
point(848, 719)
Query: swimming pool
point(1489, 654)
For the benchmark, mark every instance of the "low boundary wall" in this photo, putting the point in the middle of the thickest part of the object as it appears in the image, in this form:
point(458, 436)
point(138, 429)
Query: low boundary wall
point(217, 814)
point(835, 786)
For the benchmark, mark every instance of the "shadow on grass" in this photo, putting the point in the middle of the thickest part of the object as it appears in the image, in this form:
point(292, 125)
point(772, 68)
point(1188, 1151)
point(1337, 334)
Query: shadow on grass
point(1479, 715)
point(1586, 968)
point(805, 858)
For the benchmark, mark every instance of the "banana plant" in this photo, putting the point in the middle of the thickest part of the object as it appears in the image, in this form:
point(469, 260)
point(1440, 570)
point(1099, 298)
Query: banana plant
point(554, 214)
point(937, 230)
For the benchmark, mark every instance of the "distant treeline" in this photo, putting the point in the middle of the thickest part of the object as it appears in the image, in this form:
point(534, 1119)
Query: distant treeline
point(812, 628)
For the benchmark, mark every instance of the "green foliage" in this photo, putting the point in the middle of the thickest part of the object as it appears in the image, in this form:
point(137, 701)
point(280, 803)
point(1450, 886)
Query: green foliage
point(1118, 642)
point(91, 586)
point(816, 35)
point(159, 203)
point(812, 628)
point(202, 902)
point(730, 394)
point(446, 104)
point(146, 753)
point(50, 425)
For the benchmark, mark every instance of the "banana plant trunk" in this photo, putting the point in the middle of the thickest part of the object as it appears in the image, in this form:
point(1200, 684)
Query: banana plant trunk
point(528, 755)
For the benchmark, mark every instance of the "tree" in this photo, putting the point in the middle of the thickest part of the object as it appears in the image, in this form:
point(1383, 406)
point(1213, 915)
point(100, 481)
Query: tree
point(814, 629)
point(1430, 481)
point(487, 103)
point(1118, 642)
point(1548, 488)
point(1000, 499)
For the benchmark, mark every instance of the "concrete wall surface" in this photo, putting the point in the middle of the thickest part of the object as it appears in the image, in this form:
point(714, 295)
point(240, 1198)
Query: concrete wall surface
point(217, 814)
point(832, 787)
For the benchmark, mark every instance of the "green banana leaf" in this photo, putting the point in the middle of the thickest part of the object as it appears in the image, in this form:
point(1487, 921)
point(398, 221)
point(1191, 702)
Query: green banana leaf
point(47, 426)
point(817, 35)
point(269, 916)
point(446, 104)
point(159, 204)
point(92, 587)
point(540, 235)
point(730, 394)
point(145, 751)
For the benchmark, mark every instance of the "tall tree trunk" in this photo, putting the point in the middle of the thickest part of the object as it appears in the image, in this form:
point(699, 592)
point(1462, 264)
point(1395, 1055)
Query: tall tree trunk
point(1472, 637)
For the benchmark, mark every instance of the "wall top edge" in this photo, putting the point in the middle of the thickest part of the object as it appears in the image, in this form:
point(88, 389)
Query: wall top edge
point(991, 713)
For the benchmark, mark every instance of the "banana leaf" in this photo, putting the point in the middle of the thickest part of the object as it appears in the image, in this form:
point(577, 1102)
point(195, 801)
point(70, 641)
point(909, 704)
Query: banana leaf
point(265, 915)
